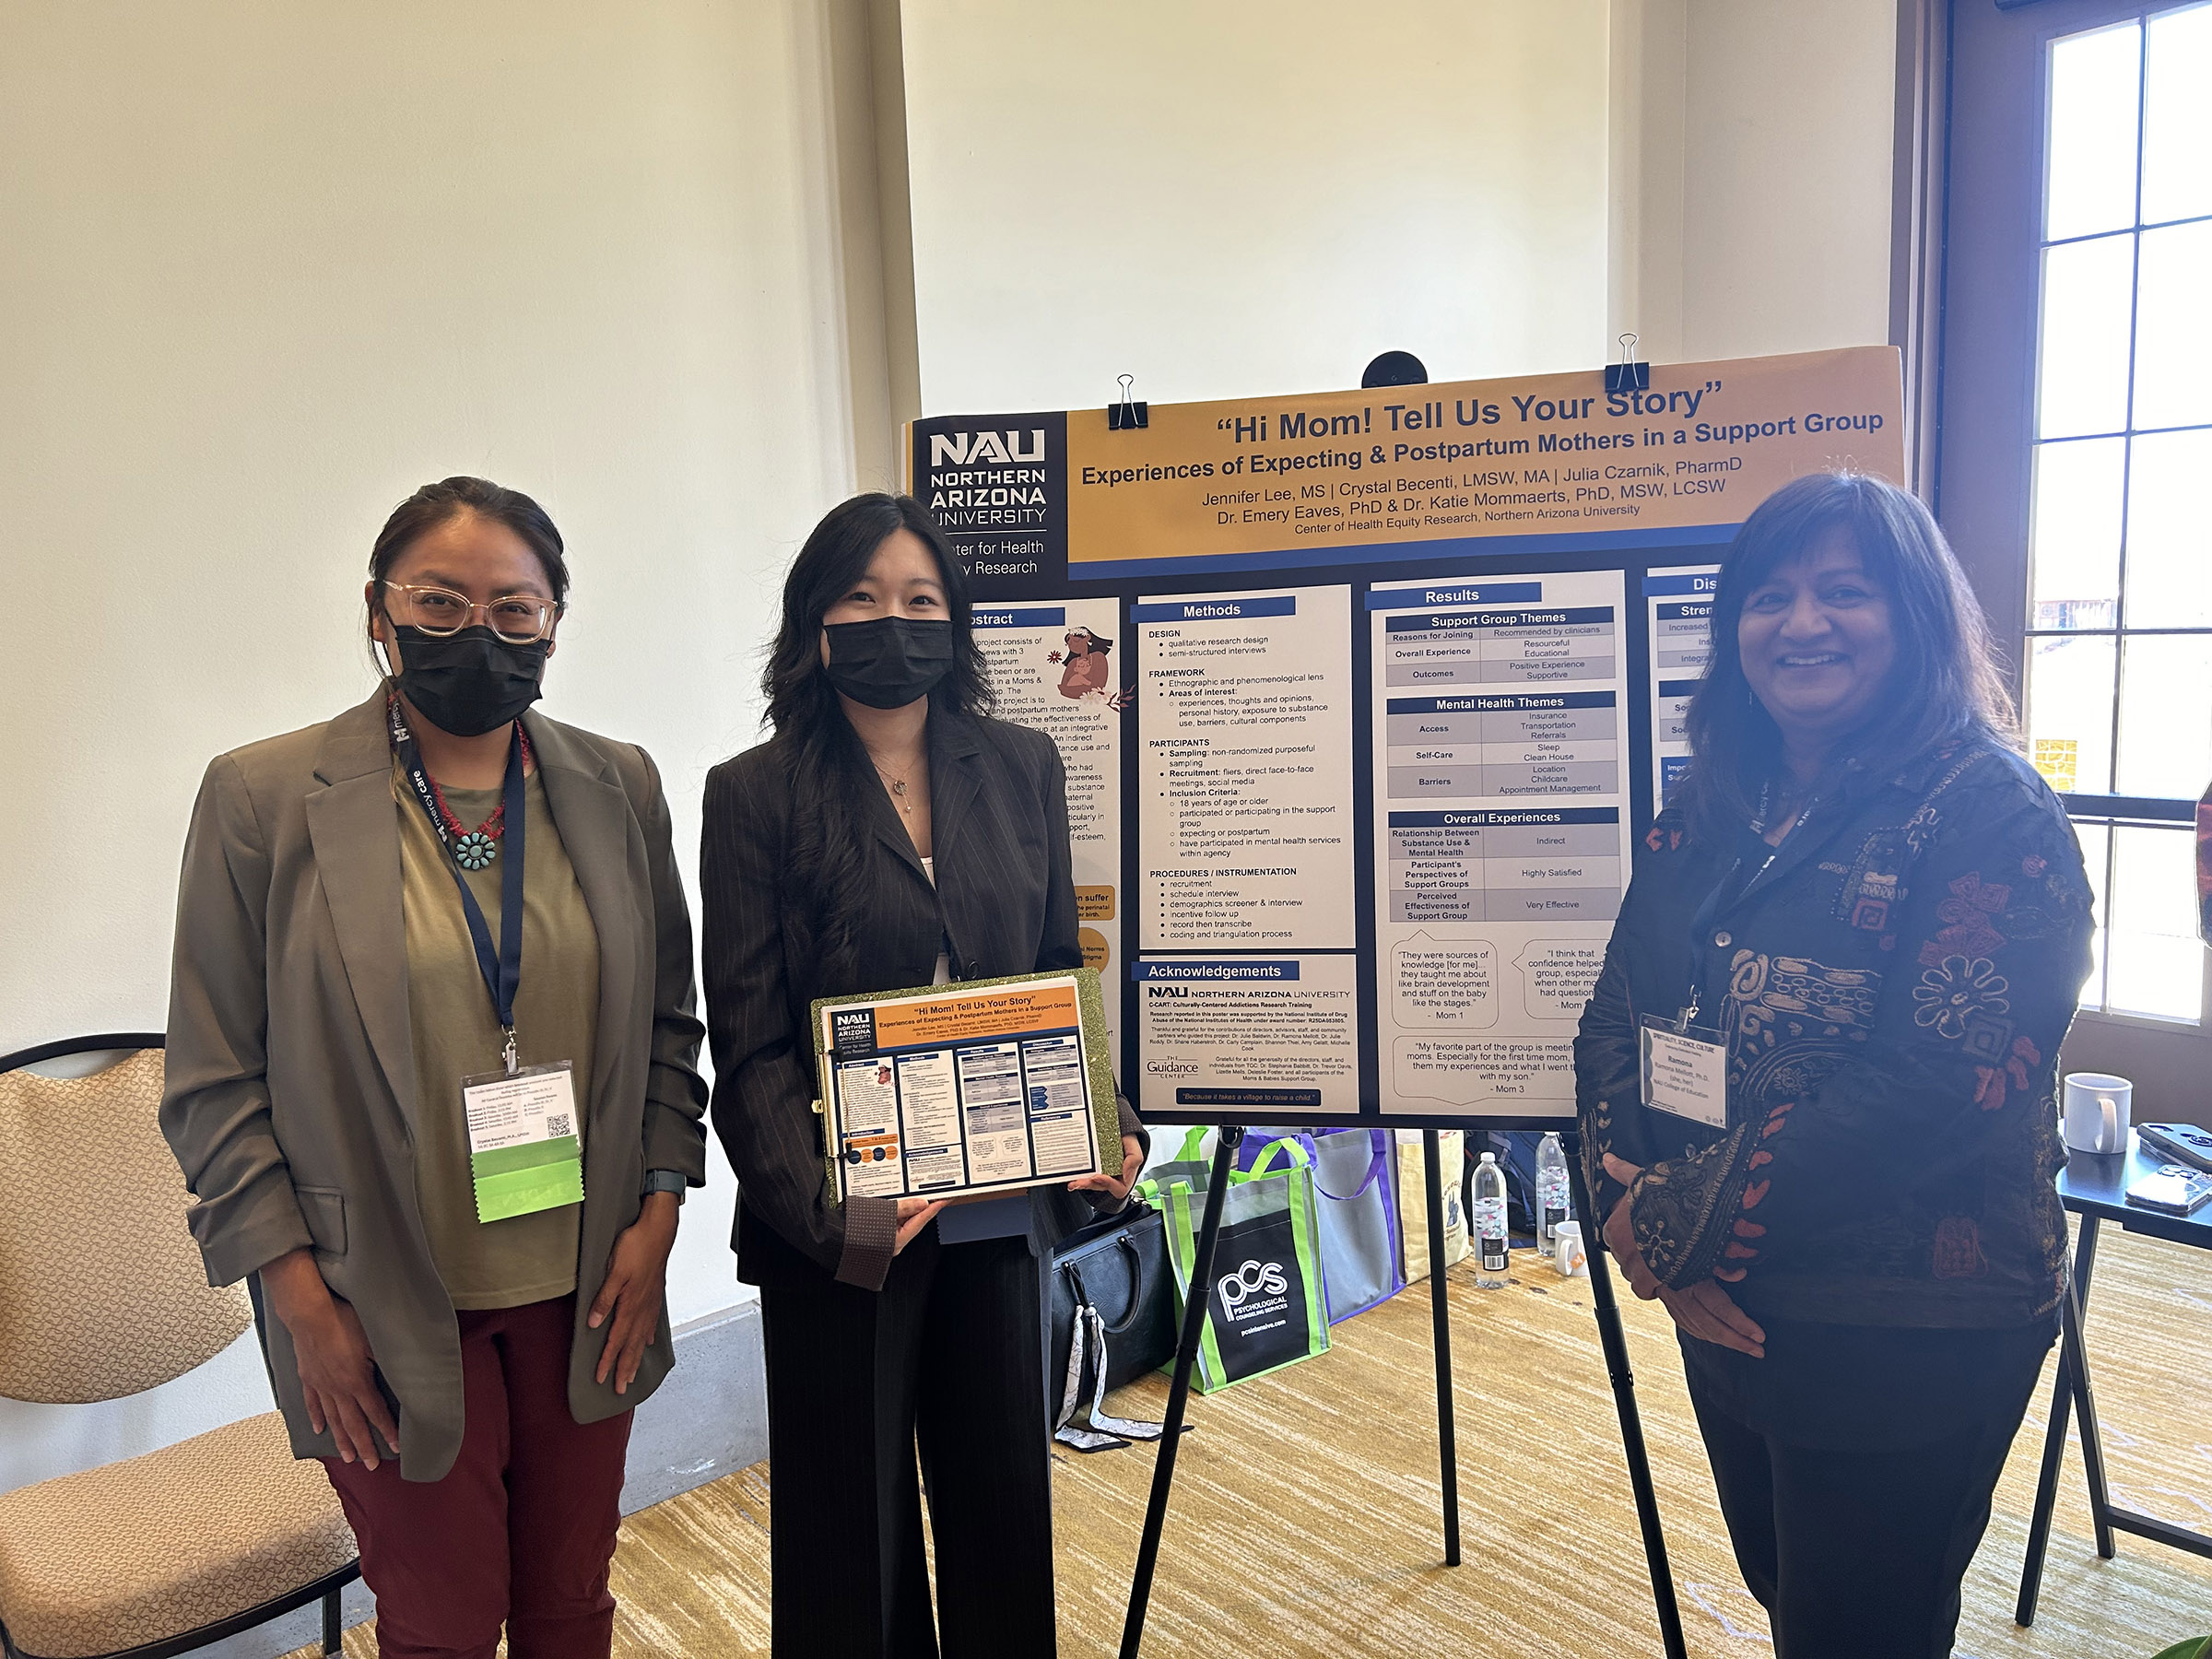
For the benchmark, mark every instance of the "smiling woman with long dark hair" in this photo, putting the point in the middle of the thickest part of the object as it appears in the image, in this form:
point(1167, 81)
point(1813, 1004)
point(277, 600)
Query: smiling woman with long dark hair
point(891, 835)
point(1864, 923)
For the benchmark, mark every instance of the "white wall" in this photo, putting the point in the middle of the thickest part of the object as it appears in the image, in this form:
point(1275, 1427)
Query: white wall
point(1751, 151)
point(1229, 200)
point(263, 269)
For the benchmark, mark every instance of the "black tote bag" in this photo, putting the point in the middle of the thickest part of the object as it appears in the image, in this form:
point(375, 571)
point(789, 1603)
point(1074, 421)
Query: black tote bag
point(1120, 1267)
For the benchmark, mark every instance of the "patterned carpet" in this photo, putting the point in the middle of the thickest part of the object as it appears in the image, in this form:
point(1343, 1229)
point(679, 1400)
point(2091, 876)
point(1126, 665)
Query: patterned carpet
point(1305, 1519)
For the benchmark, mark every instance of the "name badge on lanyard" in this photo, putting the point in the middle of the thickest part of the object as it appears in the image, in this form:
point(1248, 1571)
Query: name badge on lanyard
point(522, 1146)
point(1685, 1070)
point(524, 1152)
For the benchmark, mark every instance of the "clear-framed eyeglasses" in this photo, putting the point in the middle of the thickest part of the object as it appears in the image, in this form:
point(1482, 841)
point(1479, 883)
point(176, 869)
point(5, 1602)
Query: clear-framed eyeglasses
point(519, 619)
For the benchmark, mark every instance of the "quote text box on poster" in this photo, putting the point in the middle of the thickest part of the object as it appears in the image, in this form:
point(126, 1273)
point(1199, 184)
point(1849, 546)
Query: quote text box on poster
point(1558, 975)
point(1445, 982)
point(1533, 1073)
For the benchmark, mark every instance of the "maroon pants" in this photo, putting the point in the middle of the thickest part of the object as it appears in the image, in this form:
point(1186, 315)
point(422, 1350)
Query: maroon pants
point(521, 1528)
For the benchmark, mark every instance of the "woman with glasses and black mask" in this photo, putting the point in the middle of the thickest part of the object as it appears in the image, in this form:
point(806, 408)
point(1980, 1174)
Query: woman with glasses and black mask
point(431, 1077)
point(888, 835)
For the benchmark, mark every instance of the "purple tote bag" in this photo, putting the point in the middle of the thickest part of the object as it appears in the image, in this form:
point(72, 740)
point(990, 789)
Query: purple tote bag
point(1355, 1176)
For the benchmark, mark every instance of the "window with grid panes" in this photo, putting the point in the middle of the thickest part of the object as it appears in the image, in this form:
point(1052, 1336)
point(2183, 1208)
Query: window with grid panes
point(2119, 685)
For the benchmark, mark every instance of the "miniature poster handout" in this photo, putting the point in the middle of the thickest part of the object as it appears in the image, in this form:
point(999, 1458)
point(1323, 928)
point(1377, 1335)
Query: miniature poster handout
point(981, 1086)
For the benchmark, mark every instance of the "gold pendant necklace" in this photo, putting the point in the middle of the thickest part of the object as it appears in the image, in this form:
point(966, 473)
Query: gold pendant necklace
point(898, 784)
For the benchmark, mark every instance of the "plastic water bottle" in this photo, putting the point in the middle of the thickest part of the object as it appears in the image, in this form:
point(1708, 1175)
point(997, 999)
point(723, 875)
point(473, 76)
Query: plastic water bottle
point(1551, 1191)
point(1487, 1222)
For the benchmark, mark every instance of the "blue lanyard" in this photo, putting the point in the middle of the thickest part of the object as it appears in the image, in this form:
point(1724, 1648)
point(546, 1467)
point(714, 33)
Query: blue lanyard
point(503, 970)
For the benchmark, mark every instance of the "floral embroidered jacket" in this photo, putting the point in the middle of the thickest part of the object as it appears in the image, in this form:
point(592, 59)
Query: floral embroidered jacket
point(1893, 987)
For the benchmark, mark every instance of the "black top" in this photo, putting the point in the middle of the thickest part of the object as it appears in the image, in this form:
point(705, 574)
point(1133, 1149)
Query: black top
point(1894, 987)
point(1003, 902)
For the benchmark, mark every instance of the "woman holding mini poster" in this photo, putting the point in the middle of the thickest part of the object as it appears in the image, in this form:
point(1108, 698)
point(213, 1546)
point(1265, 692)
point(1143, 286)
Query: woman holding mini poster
point(889, 835)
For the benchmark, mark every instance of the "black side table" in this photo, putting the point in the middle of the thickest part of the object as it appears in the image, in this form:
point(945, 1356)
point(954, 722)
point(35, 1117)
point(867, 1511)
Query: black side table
point(2094, 1187)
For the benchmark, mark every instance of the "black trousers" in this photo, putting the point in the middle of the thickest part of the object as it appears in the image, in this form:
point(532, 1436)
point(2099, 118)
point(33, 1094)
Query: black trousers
point(947, 1355)
point(1856, 1475)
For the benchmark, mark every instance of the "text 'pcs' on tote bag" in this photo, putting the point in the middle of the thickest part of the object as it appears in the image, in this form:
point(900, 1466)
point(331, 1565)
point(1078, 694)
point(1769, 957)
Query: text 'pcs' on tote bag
point(1353, 1183)
point(1113, 1320)
point(1264, 1301)
point(1413, 1197)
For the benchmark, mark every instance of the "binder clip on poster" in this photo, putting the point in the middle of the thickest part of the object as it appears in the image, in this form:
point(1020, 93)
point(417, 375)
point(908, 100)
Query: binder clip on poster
point(1127, 414)
point(1627, 375)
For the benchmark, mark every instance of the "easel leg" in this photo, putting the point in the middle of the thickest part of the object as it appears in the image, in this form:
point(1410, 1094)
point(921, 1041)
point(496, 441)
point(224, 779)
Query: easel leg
point(1614, 1340)
point(1179, 1390)
point(1440, 1314)
point(2076, 1358)
point(2054, 1439)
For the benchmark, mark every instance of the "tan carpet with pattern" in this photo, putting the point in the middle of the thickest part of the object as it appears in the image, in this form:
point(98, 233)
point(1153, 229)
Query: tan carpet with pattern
point(1305, 1517)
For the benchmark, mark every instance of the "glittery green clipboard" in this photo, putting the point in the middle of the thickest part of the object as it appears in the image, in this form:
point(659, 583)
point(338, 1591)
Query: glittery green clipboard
point(1090, 1009)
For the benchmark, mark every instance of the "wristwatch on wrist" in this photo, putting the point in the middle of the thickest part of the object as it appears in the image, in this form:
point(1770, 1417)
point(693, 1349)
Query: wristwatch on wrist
point(664, 1181)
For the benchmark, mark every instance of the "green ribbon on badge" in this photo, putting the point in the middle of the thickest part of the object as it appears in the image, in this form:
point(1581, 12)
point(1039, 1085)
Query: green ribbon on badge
point(521, 1180)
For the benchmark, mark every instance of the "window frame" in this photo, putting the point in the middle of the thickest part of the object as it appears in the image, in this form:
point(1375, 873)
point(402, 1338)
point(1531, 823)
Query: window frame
point(1977, 211)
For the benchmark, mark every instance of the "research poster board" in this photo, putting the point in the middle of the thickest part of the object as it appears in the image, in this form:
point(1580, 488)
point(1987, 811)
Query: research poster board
point(1389, 680)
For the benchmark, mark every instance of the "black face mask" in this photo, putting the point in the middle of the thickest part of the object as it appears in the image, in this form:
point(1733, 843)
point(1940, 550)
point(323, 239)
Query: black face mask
point(471, 682)
point(888, 661)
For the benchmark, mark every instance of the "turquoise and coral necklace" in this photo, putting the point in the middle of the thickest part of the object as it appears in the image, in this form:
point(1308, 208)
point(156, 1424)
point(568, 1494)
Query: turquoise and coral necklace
point(472, 849)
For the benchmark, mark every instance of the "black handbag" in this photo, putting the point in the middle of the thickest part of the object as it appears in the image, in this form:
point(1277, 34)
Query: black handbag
point(1113, 1306)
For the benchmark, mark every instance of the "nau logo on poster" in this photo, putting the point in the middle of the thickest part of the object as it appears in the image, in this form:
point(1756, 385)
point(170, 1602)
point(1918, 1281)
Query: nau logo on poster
point(996, 484)
point(980, 449)
point(852, 1031)
point(1254, 1279)
point(992, 484)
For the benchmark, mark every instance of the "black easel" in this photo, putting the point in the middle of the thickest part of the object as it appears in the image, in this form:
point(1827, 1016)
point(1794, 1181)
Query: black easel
point(1611, 1337)
point(1178, 1389)
point(1614, 1342)
point(1440, 1325)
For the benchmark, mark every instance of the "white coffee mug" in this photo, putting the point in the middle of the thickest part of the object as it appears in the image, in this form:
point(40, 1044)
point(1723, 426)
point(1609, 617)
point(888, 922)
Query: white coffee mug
point(2096, 1112)
point(1566, 1253)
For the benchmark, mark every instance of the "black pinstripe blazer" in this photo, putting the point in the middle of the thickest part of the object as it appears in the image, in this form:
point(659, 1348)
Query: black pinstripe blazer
point(1003, 902)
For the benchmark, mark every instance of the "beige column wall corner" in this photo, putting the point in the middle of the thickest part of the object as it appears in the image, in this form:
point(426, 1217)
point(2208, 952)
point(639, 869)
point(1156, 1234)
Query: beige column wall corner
point(1752, 174)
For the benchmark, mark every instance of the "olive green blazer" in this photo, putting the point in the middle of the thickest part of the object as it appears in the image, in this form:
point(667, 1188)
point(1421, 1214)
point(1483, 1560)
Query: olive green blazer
point(291, 1095)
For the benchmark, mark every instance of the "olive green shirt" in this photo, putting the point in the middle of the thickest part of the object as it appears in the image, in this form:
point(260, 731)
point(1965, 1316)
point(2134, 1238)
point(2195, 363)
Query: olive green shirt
point(524, 1258)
